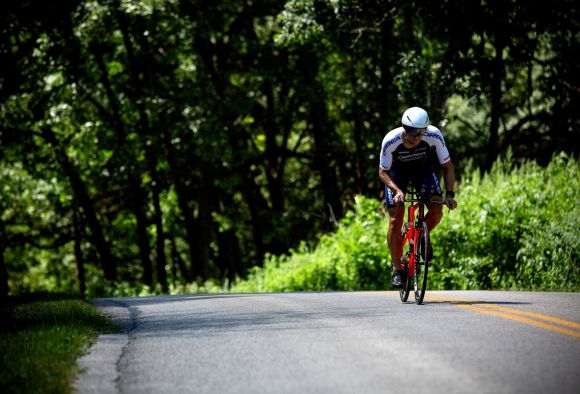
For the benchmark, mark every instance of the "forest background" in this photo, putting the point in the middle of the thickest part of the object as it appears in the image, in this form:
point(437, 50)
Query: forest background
point(152, 145)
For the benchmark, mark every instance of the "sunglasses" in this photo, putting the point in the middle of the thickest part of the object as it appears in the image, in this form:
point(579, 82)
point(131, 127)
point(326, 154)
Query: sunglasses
point(416, 133)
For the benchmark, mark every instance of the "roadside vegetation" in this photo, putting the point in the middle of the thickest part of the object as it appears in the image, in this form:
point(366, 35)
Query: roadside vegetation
point(41, 337)
point(516, 228)
point(157, 146)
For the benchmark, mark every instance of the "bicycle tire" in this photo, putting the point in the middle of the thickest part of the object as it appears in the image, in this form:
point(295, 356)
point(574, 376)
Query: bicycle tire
point(404, 292)
point(421, 265)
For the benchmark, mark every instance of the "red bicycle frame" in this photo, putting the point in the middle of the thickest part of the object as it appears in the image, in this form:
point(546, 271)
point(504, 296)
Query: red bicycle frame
point(412, 235)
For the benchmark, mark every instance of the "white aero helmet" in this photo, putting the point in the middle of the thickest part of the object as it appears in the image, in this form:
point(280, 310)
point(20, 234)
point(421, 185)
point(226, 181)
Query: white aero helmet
point(416, 118)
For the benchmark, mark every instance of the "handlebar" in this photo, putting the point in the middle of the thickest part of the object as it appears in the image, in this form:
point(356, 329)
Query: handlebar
point(424, 202)
point(419, 200)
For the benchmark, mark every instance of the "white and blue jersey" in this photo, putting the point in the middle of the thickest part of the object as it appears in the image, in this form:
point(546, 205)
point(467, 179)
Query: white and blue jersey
point(400, 158)
point(413, 164)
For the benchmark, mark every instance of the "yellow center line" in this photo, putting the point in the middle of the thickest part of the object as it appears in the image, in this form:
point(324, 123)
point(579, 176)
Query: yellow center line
point(523, 320)
point(533, 314)
point(514, 314)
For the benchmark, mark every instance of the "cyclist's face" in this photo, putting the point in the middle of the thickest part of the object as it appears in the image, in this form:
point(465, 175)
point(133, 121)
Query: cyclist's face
point(413, 137)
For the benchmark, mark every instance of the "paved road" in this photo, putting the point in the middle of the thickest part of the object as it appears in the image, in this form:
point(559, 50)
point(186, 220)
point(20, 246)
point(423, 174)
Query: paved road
point(360, 342)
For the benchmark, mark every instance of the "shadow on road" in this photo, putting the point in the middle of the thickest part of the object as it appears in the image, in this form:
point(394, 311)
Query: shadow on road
point(169, 316)
point(149, 300)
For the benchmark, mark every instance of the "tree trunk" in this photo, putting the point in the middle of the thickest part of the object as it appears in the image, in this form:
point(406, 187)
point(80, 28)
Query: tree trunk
point(183, 203)
point(137, 204)
point(108, 261)
point(160, 240)
point(178, 261)
point(322, 133)
point(198, 265)
point(358, 136)
point(134, 179)
point(388, 97)
point(496, 106)
point(229, 259)
point(275, 163)
point(275, 170)
point(252, 195)
point(230, 254)
point(3, 270)
point(204, 216)
point(77, 236)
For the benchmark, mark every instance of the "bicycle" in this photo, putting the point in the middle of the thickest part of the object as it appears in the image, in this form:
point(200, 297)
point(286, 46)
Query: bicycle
point(415, 251)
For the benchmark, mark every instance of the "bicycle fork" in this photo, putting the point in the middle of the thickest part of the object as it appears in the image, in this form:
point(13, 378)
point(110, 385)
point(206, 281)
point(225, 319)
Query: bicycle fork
point(413, 237)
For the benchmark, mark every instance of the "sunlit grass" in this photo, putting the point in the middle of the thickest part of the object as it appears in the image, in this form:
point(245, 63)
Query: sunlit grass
point(40, 342)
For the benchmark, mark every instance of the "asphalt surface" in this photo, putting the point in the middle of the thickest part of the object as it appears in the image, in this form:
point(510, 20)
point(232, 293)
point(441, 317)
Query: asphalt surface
point(343, 342)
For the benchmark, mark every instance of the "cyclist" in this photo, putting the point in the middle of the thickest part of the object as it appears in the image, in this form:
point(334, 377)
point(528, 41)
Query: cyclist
point(406, 157)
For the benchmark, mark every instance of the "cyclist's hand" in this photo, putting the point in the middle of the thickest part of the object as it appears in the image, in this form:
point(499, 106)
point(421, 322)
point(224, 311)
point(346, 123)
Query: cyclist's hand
point(451, 203)
point(399, 198)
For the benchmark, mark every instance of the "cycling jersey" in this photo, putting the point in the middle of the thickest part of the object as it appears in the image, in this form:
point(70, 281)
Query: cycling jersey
point(395, 155)
point(413, 164)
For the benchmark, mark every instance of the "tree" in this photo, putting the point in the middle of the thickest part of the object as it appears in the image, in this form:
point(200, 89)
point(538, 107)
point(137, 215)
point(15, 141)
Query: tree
point(158, 143)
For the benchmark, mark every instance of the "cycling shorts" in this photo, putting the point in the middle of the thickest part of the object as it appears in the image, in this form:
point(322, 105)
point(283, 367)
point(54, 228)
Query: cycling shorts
point(425, 182)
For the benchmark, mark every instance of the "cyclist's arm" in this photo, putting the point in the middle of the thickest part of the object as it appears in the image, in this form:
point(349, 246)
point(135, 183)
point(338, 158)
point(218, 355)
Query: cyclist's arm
point(448, 175)
point(449, 179)
point(388, 180)
point(390, 183)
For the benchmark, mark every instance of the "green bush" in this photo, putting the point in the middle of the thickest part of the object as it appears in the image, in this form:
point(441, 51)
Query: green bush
point(353, 258)
point(515, 228)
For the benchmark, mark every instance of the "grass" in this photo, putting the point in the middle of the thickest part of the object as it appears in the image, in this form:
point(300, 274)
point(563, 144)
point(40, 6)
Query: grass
point(41, 339)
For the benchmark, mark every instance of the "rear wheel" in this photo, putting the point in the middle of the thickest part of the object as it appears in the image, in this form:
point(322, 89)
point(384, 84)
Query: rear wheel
point(421, 265)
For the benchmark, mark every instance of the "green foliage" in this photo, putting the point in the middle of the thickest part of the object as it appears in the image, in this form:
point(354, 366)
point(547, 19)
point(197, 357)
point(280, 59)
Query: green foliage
point(298, 24)
point(546, 249)
point(204, 136)
point(349, 259)
point(515, 228)
point(41, 340)
point(34, 215)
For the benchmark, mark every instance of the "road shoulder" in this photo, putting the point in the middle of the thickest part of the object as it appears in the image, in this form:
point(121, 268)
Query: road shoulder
point(99, 365)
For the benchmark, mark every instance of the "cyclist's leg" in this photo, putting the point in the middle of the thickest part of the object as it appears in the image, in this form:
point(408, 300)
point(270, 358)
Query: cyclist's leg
point(396, 217)
point(431, 190)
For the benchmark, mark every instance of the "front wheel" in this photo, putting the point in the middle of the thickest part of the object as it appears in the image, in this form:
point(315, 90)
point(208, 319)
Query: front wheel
point(421, 265)
point(404, 292)
point(406, 253)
